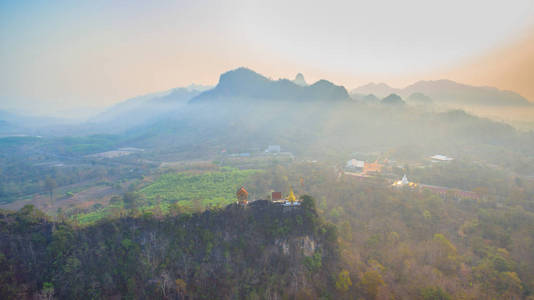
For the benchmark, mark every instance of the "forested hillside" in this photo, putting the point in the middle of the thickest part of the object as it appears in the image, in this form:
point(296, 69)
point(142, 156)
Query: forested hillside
point(412, 244)
point(262, 250)
point(387, 243)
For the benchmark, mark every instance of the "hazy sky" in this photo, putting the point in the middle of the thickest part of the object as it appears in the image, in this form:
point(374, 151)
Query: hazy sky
point(96, 53)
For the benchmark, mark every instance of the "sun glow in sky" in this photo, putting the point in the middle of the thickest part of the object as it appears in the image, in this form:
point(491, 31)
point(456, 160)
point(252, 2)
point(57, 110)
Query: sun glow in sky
point(93, 54)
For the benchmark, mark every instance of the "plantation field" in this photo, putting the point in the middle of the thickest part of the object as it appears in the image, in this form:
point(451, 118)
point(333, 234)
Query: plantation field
point(210, 187)
point(205, 188)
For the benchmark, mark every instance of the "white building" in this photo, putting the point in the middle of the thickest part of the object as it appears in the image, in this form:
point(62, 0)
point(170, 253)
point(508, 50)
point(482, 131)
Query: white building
point(440, 158)
point(273, 149)
point(355, 164)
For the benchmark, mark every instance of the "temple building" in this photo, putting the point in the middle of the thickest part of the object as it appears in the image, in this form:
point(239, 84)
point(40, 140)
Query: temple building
point(371, 168)
point(276, 196)
point(355, 165)
point(291, 200)
point(242, 196)
point(404, 182)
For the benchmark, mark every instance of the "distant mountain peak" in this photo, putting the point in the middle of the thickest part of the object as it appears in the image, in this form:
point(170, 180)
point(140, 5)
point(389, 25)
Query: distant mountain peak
point(240, 75)
point(419, 98)
point(198, 87)
point(245, 83)
point(379, 89)
point(299, 80)
point(447, 91)
point(377, 85)
point(444, 90)
point(393, 99)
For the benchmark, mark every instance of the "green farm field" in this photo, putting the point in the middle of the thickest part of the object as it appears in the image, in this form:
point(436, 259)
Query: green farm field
point(213, 188)
point(216, 187)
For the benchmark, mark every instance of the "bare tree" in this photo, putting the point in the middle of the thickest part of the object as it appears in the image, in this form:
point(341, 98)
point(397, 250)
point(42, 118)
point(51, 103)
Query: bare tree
point(50, 184)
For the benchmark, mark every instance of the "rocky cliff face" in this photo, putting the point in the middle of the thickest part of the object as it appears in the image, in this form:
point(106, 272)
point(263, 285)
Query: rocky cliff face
point(261, 250)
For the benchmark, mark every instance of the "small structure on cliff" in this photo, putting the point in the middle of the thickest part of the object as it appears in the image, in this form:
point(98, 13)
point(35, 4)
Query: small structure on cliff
point(242, 196)
point(291, 200)
point(276, 196)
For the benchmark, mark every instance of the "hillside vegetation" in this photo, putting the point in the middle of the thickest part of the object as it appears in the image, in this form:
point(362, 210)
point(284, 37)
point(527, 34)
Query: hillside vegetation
point(262, 250)
point(411, 244)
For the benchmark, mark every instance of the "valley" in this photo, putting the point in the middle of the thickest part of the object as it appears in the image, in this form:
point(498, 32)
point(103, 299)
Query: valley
point(404, 194)
point(267, 150)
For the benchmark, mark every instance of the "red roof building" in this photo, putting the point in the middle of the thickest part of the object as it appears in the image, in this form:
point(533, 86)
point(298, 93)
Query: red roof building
point(276, 196)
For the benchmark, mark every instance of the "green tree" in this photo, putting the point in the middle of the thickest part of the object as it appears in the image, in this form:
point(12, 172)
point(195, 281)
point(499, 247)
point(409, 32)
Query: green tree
point(115, 200)
point(308, 202)
point(343, 282)
point(371, 281)
point(47, 292)
point(314, 262)
point(509, 283)
point(435, 293)
point(28, 214)
point(130, 200)
point(445, 254)
point(181, 287)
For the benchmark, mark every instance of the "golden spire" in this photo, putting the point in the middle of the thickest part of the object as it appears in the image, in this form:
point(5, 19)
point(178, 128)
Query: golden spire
point(291, 198)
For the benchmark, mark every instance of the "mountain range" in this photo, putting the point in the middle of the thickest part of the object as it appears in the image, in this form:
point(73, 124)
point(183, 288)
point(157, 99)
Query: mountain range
point(447, 92)
point(247, 111)
point(245, 90)
point(245, 83)
point(143, 109)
